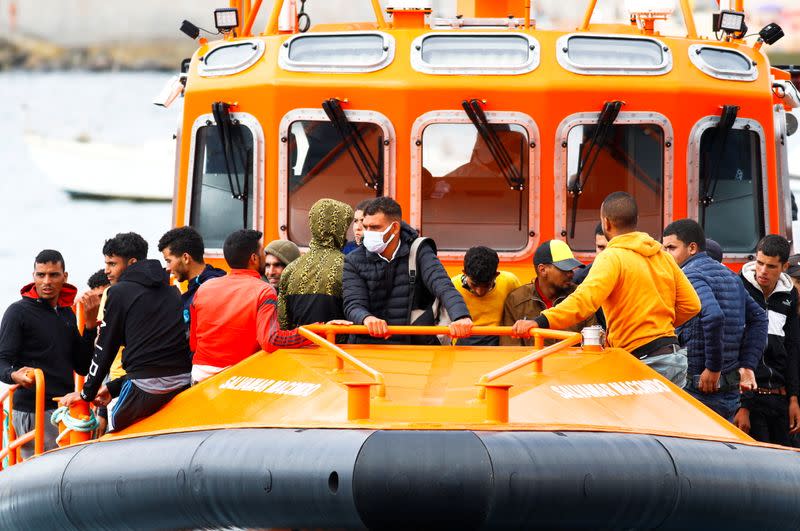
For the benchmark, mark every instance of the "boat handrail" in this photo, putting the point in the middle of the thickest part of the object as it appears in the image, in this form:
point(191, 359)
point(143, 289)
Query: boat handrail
point(250, 12)
point(686, 12)
point(567, 339)
point(37, 434)
point(311, 332)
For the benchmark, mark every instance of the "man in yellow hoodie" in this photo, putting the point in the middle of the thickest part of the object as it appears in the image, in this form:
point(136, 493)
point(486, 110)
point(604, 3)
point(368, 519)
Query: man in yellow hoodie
point(643, 293)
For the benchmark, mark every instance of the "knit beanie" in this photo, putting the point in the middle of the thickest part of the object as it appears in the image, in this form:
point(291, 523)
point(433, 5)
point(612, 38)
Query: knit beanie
point(284, 250)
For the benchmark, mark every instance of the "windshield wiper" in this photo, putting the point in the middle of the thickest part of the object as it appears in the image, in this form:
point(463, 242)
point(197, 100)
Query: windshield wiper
point(370, 170)
point(726, 119)
point(511, 173)
point(602, 132)
point(230, 136)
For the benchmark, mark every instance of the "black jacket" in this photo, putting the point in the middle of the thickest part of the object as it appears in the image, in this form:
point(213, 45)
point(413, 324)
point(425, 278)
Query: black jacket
point(779, 364)
point(34, 334)
point(373, 286)
point(144, 313)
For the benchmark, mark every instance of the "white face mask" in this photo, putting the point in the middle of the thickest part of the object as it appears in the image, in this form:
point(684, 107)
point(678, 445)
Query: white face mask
point(373, 240)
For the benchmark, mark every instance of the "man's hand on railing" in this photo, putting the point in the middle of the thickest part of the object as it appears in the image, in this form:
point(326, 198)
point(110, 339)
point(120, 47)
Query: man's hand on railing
point(461, 328)
point(339, 322)
point(377, 327)
point(69, 399)
point(24, 377)
point(522, 328)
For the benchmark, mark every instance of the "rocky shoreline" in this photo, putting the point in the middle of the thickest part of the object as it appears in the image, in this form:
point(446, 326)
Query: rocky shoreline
point(36, 55)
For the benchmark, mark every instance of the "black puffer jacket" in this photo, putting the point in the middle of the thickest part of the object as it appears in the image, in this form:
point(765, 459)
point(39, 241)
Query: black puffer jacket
point(373, 286)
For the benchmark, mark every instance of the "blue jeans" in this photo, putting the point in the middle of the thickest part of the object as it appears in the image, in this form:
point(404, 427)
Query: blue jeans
point(725, 404)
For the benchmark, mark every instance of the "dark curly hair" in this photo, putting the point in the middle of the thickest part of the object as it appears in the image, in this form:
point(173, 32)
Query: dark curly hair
point(183, 240)
point(126, 245)
point(480, 264)
point(98, 279)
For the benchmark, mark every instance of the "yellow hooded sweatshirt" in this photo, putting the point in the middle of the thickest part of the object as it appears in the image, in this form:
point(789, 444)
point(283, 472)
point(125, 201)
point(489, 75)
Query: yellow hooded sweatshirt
point(643, 293)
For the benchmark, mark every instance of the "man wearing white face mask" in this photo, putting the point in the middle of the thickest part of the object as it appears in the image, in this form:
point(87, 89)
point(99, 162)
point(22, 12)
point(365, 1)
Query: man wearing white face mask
point(377, 291)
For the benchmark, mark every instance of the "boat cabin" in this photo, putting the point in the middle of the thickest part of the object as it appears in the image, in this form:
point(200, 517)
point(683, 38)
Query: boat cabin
point(487, 130)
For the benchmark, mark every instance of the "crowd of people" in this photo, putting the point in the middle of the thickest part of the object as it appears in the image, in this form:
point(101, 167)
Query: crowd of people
point(730, 340)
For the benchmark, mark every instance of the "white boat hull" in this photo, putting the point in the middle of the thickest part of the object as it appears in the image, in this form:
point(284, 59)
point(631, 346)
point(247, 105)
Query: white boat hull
point(96, 170)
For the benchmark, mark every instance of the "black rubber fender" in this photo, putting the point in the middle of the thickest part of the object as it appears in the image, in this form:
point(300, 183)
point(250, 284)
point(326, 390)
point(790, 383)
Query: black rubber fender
point(404, 479)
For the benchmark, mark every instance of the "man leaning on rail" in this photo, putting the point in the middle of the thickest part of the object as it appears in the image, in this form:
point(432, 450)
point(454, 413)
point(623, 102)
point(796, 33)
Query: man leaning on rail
point(40, 331)
point(376, 279)
point(144, 312)
point(643, 293)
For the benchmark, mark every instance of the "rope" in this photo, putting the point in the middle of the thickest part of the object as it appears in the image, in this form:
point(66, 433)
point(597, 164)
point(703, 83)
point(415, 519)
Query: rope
point(62, 415)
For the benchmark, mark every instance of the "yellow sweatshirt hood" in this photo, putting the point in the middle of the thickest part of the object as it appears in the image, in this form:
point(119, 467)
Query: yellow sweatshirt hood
point(639, 242)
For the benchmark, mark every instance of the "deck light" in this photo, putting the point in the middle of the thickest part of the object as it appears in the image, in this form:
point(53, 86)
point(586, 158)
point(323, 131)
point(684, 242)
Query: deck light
point(730, 22)
point(226, 19)
point(190, 29)
point(771, 33)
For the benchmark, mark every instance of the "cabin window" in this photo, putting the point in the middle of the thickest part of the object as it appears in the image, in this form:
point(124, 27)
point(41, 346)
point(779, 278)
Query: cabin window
point(320, 164)
point(631, 160)
point(723, 63)
point(613, 55)
point(475, 53)
point(230, 59)
point(466, 198)
point(222, 200)
point(337, 52)
point(730, 189)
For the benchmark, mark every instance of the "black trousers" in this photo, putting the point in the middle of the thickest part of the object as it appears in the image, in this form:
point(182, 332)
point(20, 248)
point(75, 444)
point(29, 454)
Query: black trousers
point(134, 404)
point(769, 419)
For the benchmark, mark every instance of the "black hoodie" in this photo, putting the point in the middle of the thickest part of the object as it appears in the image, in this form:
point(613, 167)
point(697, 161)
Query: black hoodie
point(37, 335)
point(144, 313)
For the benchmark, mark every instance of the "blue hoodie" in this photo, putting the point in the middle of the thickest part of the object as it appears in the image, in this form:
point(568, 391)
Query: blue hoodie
point(730, 331)
point(191, 288)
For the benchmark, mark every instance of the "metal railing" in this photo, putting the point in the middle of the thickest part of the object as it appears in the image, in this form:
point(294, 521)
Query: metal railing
point(495, 395)
point(36, 435)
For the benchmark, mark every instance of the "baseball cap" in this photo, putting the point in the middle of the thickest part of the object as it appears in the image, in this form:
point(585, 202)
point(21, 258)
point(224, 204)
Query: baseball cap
point(794, 266)
point(284, 250)
point(558, 253)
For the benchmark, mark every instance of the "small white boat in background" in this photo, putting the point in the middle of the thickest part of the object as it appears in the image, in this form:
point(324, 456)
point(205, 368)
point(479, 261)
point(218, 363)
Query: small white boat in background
point(88, 169)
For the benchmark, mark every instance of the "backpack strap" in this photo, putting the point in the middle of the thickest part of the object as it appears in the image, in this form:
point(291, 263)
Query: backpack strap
point(412, 271)
point(412, 260)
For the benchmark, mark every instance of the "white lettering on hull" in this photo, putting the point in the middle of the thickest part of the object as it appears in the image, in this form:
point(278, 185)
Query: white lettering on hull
point(269, 386)
point(603, 390)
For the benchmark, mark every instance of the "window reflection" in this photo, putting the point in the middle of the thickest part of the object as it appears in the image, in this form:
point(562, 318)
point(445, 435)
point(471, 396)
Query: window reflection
point(466, 200)
point(215, 213)
point(320, 166)
point(731, 176)
point(631, 161)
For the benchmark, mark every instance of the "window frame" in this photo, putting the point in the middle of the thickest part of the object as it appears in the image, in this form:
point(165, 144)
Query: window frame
point(356, 116)
point(693, 174)
point(252, 123)
point(562, 54)
point(561, 161)
point(424, 67)
point(291, 65)
point(782, 172)
point(204, 70)
point(728, 75)
point(534, 169)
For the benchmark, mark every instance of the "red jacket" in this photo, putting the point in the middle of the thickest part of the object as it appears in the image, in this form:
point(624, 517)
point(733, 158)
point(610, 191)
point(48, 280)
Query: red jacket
point(233, 317)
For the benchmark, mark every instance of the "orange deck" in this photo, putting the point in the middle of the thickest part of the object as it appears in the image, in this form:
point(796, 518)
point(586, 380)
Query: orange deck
point(435, 388)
